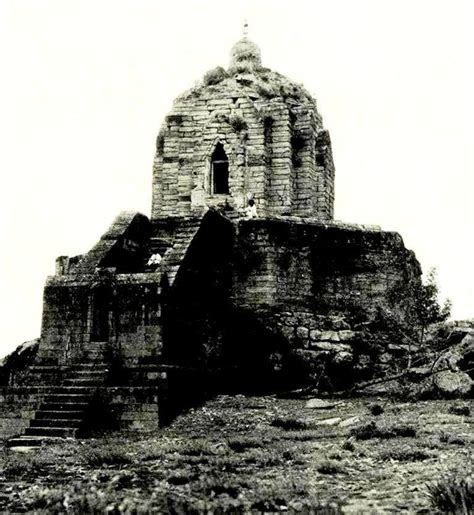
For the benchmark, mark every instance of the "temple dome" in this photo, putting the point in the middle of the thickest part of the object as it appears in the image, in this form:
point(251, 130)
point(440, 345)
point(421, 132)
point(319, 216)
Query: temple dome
point(245, 53)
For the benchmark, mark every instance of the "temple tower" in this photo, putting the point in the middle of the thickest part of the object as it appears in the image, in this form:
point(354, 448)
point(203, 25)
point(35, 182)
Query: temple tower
point(245, 133)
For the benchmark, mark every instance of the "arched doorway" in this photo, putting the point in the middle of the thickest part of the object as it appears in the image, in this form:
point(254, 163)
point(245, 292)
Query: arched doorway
point(219, 171)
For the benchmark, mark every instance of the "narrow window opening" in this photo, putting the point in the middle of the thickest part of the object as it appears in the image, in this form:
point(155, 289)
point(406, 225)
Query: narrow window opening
point(220, 171)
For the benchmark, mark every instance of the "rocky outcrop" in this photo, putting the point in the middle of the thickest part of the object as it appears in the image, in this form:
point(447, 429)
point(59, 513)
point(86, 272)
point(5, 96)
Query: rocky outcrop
point(15, 365)
point(445, 366)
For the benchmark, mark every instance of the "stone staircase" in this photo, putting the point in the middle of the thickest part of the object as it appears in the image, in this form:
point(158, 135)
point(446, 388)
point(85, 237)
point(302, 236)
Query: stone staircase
point(61, 413)
point(181, 242)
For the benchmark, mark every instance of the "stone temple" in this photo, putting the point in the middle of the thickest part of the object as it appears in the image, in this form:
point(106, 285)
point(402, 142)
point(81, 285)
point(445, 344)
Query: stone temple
point(240, 278)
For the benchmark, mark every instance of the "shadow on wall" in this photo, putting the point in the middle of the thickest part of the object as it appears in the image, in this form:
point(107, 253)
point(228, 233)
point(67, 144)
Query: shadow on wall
point(197, 303)
point(250, 360)
point(253, 357)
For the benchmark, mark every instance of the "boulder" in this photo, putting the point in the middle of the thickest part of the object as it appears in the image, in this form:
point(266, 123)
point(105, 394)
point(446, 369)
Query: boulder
point(452, 383)
point(320, 404)
point(458, 354)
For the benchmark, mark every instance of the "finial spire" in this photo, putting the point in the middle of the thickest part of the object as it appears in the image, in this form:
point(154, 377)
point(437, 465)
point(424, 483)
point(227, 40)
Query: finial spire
point(245, 53)
point(245, 30)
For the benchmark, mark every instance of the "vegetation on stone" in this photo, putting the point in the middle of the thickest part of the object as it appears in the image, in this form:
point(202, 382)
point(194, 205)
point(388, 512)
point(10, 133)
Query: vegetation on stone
point(214, 76)
point(237, 123)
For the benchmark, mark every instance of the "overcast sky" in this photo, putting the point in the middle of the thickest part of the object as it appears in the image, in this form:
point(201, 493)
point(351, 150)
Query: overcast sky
point(86, 84)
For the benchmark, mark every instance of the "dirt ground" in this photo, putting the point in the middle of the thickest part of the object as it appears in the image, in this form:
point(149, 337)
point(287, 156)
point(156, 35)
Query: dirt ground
point(254, 454)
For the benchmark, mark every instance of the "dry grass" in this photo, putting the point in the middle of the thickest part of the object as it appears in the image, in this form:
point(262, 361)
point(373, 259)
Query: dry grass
point(453, 493)
point(280, 457)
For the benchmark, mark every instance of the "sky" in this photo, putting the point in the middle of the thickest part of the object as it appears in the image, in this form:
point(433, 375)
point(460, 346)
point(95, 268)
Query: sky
point(85, 86)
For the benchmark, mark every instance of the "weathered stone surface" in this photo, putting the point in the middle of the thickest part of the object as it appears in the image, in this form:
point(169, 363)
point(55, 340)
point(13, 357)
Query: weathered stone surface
point(319, 404)
point(343, 357)
point(350, 421)
point(332, 347)
point(276, 139)
point(452, 384)
point(329, 421)
point(346, 335)
point(302, 332)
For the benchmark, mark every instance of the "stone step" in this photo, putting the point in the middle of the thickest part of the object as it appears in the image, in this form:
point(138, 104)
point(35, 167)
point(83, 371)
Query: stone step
point(62, 432)
point(67, 398)
point(54, 422)
point(67, 389)
point(88, 366)
point(28, 441)
point(93, 355)
point(44, 368)
point(60, 406)
point(59, 415)
point(92, 372)
point(82, 381)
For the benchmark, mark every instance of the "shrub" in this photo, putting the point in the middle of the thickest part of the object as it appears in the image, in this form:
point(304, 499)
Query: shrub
point(18, 466)
point(237, 123)
point(404, 454)
point(197, 448)
point(289, 424)
point(403, 430)
point(329, 467)
point(160, 142)
point(451, 438)
point(452, 494)
point(302, 436)
point(460, 410)
point(372, 430)
point(348, 445)
point(264, 458)
point(230, 488)
point(291, 455)
point(215, 76)
point(241, 444)
point(376, 409)
point(180, 479)
point(106, 454)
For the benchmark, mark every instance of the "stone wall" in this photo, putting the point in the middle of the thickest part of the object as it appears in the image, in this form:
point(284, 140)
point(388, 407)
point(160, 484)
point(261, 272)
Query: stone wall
point(17, 407)
point(132, 409)
point(105, 300)
point(277, 148)
point(132, 317)
point(291, 264)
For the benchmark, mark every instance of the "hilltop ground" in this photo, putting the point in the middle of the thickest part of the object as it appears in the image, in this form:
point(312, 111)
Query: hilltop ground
point(254, 453)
